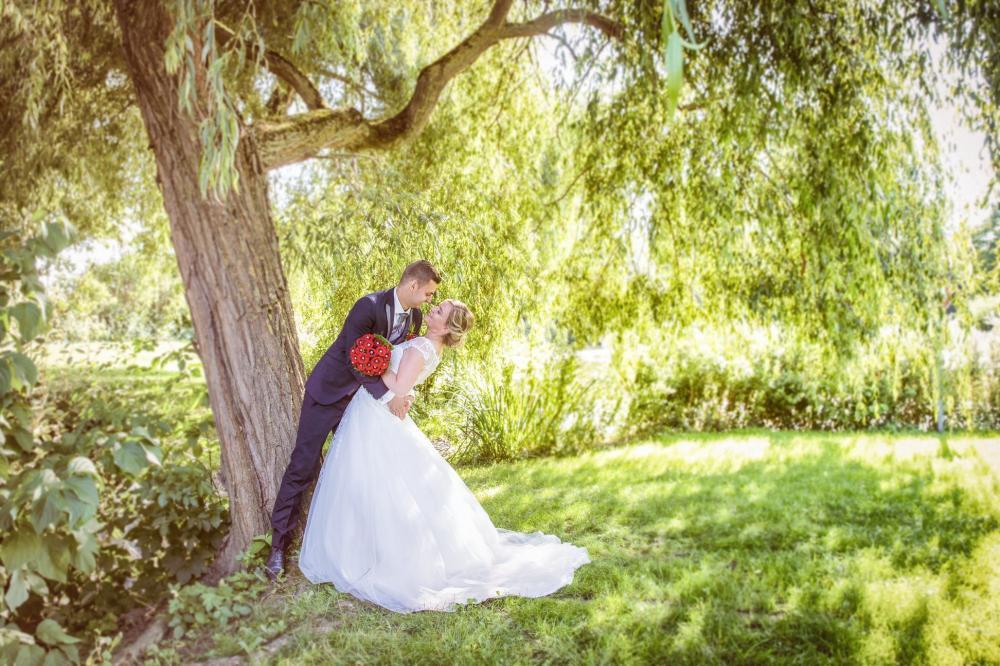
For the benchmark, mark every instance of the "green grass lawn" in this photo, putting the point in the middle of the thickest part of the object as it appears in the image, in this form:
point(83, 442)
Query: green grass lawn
point(732, 548)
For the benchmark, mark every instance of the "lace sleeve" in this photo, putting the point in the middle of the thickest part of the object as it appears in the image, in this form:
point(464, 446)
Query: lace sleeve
point(426, 349)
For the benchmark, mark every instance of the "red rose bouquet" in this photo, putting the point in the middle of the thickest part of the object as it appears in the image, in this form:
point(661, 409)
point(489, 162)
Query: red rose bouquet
point(370, 354)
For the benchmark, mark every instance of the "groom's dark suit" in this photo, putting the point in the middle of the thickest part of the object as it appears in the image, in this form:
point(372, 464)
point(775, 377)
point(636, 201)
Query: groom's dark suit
point(329, 389)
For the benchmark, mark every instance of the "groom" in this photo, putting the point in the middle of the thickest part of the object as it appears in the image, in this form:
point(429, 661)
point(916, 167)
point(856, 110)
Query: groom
point(392, 313)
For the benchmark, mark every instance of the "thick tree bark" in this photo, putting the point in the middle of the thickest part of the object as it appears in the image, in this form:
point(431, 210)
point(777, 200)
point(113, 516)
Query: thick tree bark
point(233, 281)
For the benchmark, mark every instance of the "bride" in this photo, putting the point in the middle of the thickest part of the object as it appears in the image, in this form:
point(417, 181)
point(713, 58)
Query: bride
point(392, 523)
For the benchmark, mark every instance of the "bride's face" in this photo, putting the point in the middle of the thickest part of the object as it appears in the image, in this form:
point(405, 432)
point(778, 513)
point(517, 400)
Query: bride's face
point(437, 318)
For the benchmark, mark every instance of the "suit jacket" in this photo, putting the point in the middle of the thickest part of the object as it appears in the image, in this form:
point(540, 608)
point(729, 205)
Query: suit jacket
point(334, 377)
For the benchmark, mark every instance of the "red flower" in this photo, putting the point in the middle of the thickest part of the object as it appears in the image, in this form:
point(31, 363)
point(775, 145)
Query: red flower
point(370, 354)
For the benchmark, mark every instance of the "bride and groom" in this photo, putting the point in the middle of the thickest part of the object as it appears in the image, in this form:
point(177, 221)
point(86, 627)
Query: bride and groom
point(390, 520)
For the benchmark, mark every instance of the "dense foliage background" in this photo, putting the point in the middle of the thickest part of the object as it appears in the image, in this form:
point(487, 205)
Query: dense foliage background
point(777, 252)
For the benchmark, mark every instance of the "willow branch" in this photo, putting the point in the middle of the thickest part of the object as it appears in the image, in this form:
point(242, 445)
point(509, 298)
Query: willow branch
point(303, 136)
point(282, 68)
point(347, 81)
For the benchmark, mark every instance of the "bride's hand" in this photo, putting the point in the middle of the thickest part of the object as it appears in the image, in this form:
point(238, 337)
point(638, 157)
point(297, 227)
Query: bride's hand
point(399, 406)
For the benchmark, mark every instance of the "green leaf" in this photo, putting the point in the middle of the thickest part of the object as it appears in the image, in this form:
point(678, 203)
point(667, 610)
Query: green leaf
point(675, 69)
point(131, 457)
point(81, 466)
point(22, 548)
point(667, 22)
point(29, 655)
point(154, 455)
point(25, 372)
point(83, 556)
point(5, 377)
point(691, 45)
point(24, 439)
point(84, 488)
point(78, 511)
point(58, 658)
point(49, 632)
point(39, 483)
point(46, 511)
point(58, 235)
point(17, 591)
point(29, 319)
point(36, 583)
point(22, 415)
point(682, 15)
point(54, 563)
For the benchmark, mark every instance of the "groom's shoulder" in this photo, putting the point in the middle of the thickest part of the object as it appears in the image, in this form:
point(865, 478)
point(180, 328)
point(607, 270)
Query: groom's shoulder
point(369, 299)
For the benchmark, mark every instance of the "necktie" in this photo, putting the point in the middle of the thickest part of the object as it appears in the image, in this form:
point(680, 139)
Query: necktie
point(396, 328)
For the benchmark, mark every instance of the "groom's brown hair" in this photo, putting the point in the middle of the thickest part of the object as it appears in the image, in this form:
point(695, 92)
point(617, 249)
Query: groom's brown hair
point(421, 271)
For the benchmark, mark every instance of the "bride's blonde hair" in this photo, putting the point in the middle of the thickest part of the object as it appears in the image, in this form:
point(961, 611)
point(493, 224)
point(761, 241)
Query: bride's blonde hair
point(460, 321)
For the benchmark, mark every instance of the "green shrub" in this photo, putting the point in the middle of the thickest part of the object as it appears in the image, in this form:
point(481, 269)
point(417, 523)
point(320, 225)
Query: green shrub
point(161, 517)
point(781, 382)
point(91, 519)
point(547, 411)
point(197, 607)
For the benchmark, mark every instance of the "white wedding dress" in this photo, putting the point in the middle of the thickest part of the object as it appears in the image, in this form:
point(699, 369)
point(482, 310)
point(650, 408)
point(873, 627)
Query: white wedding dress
point(392, 523)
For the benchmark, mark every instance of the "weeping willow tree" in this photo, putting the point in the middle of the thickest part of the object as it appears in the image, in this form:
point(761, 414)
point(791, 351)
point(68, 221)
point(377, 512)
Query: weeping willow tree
point(193, 70)
point(222, 93)
point(801, 186)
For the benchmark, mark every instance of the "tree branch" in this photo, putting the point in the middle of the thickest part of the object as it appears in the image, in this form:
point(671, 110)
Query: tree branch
point(283, 68)
point(563, 41)
point(546, 22)
point(569, 187)
point(347, 81)
point(302, 136)
point(498, 15)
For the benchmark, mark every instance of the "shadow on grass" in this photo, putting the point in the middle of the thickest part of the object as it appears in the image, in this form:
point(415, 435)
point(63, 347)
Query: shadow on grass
point(701, 554)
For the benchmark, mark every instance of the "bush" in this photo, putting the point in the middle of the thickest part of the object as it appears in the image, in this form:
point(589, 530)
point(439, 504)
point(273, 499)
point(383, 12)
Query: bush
point(709, 382)
point(161, 518)
point(91, 517)
point(197, 607)
point(547, 411)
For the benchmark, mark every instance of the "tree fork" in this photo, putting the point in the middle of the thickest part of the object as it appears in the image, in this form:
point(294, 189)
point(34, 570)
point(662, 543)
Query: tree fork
point(302, 136)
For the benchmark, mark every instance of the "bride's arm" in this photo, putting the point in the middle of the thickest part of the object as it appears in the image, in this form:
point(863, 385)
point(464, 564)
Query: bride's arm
point(405, 379)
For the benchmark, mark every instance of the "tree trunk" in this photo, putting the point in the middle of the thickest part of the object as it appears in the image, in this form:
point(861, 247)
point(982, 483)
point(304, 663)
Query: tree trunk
point(234, 284)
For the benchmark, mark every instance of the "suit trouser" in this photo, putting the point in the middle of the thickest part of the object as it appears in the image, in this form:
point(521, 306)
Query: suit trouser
point(316, 421)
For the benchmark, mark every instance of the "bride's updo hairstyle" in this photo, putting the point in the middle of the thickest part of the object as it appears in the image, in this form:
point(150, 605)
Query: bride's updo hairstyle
point(460, 321)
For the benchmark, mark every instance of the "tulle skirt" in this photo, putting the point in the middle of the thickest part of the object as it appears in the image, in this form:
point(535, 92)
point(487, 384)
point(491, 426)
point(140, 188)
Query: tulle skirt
point(392, 523)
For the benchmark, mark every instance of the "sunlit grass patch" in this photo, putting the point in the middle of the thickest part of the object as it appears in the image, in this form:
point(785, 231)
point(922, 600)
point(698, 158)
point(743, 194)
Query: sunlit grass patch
point(798, 547)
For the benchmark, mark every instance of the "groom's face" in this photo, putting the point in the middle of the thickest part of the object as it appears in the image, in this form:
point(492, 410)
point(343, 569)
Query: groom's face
point(421, 293)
